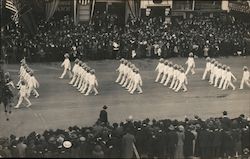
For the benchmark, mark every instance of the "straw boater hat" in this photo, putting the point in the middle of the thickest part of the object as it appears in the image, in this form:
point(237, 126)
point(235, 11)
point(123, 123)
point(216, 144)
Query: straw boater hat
point(67, 144)
point(208, 59)
point(76, 60)
point(190, 54)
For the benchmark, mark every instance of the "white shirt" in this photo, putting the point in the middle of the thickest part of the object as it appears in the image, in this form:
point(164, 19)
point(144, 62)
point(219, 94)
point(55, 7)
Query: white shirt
point(66, 64)
point(208, 66)
point(32, 82)
point(137, 79)
point(160, 67)
point(75, 68)
point(230, 76)
point(170, 71)
point(223, 74)
point(92, 79)
point(245, 75)
point(23, 90)
point(182, 77)
point(190, 61)
point(218, 72)
point(166, 68)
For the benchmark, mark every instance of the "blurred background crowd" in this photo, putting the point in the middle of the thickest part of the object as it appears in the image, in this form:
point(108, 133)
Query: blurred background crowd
point(147, 37)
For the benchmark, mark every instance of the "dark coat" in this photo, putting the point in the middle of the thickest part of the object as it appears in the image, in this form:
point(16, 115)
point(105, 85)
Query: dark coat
point(188, 144)
point(127, 145)
point(103, 117)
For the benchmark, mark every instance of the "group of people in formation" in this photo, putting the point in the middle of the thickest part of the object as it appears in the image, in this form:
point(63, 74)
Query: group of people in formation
point(82, 76)
point(129, 76)
point(171, 74)
point(27, 84)
point(220, 75)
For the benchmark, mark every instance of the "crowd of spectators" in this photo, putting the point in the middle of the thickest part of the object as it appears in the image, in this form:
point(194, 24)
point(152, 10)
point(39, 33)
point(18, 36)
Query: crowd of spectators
point(219, 35)
point(212, 138)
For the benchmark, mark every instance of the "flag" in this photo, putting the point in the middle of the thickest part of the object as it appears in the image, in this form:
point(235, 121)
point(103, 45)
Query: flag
point(84, 2)
point(11, 6)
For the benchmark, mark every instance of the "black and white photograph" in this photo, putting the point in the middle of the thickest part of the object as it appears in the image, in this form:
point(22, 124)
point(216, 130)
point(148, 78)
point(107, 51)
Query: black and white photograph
point(133, 79)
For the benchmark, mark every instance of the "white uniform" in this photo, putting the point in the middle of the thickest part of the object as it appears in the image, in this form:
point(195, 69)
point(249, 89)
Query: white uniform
point(32, 85)
point(177, 79)
point(86, 83)
point(67, 67)
point(160, 70)
point(125, 74)
point(218, 75)
point(182, 82)
point(92, 84)
point(175, 72)
point(23, 96)
point(165, 73)
point(170, 75)
point(120, 69)
point(207, 69)
point(75, 73)
point(129, 76)
point(211, 77)
point(245, 79)
point(223, 78)
point(191, 65)
point(132, 82)
point(228, 81)
point(137, 83)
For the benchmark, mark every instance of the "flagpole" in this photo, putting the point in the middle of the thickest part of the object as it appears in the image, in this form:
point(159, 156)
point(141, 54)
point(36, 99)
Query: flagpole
point(75, 5)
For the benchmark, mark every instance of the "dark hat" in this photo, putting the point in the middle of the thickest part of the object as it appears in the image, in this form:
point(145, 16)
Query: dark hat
point(224, 112)
point(104, 107)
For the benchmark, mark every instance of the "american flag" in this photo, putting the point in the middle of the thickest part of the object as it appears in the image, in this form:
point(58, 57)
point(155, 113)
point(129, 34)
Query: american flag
point(84, 2)
point(12, 7)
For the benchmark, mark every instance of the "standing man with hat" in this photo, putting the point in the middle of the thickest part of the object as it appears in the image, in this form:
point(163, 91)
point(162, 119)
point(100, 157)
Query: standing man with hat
point(103, 116)
point(67, 66)
point(191, 64)
point(245, 78)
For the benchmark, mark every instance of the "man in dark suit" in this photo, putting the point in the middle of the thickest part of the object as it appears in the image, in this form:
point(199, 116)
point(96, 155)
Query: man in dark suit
point(172, 140)
point(103, 117)
point(225, 121)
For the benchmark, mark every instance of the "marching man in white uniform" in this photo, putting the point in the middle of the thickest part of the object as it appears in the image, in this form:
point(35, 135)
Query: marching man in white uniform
point(170, 73)
point(137, 82)
point(165, 71)
point(23, 95)
point(228, 81)
point(218, 75)
point(191, 64)
point(207, 69)
point(223, 76)
point(182, 78)
point(92, 81)
point(75, 71)
point(159, 69)
point(67, 66)
point(32, 85)
point(125, 72)
point(245, 78)
point(174, 79)
point(86, 80)
point(213, 71)
point(120, 70)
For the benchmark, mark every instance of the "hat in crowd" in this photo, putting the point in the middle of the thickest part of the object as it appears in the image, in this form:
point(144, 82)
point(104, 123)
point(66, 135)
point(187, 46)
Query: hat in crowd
point(67, 144)
point(171, 127)
point(181, 128)
point(224, 112)
point(245, 68)
point(104, 107)
point(82, 139)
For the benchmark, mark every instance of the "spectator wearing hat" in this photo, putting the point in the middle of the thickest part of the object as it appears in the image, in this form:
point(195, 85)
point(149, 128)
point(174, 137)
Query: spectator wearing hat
point(103, 116)
point(21, 147)
point(188, 143)
point(245, 78)
point(128, 140)
point(179, 146)
point(171, 140)
point(67, 66)
point(225, 121)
